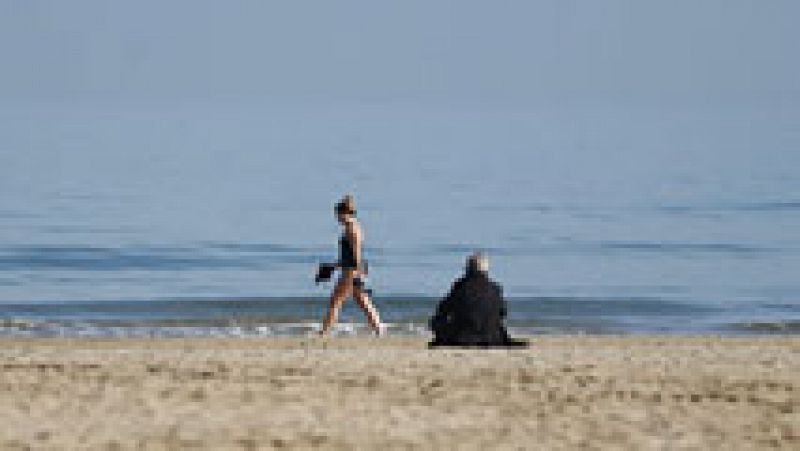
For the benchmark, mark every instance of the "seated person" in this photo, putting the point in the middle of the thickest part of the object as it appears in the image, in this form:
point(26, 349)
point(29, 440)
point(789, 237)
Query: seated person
point(472, 314)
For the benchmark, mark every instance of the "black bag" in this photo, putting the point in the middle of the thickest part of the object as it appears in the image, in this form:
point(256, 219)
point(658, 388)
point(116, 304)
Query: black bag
point(324, 273)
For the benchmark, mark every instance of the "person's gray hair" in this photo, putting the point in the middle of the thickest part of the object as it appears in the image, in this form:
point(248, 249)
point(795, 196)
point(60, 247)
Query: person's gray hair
point(478, 262)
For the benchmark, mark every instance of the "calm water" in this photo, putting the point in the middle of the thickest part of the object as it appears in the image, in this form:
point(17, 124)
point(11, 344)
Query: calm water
point(211, 220)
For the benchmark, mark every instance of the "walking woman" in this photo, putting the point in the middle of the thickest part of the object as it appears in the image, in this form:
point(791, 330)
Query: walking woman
point(353, 269)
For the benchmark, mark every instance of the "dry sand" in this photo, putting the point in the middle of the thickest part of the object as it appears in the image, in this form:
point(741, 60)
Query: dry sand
point(367, 393)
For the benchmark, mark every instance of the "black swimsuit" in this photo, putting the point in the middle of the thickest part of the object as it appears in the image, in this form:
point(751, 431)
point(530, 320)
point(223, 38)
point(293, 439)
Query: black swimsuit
point(347, 253)
point(347, 258)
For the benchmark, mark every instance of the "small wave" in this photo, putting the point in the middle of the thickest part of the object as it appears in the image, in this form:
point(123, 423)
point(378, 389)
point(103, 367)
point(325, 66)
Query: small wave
point(572, 247)
point(785, 307)
point(406, 314)
point(265, 248)
point(19, 323)
point(95, 258)
point(771, 206)
point(82, 229)
point(154, 258)
point(13, 327)
point(678, 247)
point(774, 327)
point(754, 207)
point(15, 214)
point(544, 307)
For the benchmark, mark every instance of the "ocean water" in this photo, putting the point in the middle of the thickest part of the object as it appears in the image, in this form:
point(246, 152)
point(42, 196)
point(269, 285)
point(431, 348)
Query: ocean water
point(205, 220)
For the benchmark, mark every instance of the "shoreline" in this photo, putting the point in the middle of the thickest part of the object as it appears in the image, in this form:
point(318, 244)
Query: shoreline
point(565, 391)
point(405, 341)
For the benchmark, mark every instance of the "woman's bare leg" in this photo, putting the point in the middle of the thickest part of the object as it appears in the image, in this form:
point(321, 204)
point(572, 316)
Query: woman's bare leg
point(340, 293)
point(363, 300)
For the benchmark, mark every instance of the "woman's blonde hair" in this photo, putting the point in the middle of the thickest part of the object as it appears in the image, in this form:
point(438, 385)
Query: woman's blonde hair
point(347, 205)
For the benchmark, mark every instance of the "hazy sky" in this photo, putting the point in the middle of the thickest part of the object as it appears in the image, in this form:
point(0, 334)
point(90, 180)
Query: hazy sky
point(506, 53)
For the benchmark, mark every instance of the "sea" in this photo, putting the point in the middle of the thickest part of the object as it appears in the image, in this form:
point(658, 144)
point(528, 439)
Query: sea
point(210, 220)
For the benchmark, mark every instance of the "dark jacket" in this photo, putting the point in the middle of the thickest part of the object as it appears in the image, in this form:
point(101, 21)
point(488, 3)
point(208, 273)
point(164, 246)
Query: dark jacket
point(472, 314)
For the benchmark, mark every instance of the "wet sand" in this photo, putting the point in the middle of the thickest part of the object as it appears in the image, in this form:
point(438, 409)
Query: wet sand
point(393, 393)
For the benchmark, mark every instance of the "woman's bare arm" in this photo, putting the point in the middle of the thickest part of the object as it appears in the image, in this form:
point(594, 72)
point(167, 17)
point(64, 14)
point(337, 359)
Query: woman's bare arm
point(353, 232)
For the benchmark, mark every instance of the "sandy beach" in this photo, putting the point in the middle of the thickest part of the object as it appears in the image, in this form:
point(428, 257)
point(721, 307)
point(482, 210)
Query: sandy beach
point(393, 393)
